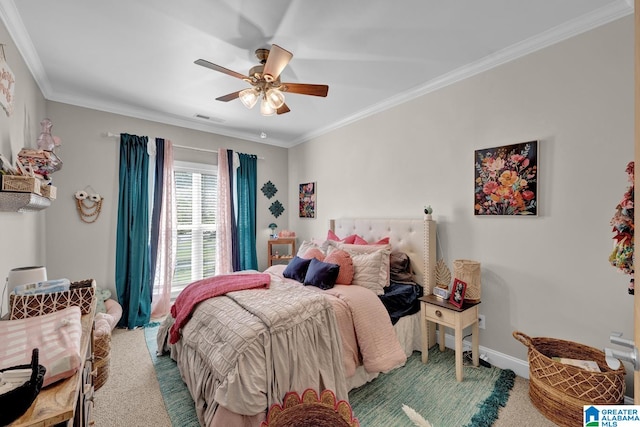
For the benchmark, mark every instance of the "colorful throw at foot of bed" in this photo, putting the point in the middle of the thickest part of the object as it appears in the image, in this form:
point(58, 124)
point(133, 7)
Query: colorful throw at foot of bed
point(201, 290)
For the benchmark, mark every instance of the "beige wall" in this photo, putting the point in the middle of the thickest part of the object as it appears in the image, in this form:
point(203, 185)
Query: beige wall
point(22, 234)
point(78, 250)
point(544, 276)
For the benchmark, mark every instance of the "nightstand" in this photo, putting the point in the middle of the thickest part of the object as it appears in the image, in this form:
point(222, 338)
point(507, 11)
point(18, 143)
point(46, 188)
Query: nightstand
point(437, 311)
point(286, 245)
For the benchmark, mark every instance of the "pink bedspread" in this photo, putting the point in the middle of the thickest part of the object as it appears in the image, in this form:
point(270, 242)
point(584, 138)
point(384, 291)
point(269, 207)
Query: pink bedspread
point(370, 336)
point(366, 332)
point(201, 290)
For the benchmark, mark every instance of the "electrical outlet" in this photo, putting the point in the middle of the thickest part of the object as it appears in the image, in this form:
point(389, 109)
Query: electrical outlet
point(481, 321)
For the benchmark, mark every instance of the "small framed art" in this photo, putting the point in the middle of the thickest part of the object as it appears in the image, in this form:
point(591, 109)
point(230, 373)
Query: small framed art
point(457, 293)
point(307, 196)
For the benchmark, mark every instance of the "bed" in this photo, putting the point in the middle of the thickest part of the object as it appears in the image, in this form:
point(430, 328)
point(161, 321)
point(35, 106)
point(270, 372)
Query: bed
point(239, 353)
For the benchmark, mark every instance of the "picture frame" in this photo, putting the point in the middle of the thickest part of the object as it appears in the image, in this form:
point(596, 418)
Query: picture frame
point(307, 195)
point(7, 85)
point(506, 180)
point(458, 290)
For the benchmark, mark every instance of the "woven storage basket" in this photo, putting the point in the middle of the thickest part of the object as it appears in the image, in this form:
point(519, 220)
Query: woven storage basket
point(20, 184)
point(25, 306)
point(558, 390)
point(102, 357)
point(469, 272)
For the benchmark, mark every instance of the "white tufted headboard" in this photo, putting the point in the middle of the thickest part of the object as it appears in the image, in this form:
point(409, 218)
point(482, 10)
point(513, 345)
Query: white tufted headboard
point(415, 237)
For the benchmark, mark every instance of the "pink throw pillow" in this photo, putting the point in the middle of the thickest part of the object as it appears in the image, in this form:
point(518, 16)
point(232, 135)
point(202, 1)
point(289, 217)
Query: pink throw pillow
point(349, 239)
point(313, 253)
point(343, 259)
point(360, 241)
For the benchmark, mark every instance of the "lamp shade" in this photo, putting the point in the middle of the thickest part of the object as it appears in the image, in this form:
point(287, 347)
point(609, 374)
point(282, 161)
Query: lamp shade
point(248, 97)
point(275, 98)
point(24, 275)
point(266, 109)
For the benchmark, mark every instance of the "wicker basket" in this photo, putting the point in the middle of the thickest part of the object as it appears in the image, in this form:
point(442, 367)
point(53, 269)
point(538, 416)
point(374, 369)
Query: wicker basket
point(469, 272)
point(20, 184)
point(560, 391)
point(25, 306)
point(102, 357)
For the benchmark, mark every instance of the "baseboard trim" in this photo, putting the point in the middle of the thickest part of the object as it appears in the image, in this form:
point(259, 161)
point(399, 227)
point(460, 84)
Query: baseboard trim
point(504, 361)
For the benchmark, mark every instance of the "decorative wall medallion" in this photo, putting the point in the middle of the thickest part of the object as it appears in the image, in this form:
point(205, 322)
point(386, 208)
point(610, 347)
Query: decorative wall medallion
point(276, 208)
point(269, 190)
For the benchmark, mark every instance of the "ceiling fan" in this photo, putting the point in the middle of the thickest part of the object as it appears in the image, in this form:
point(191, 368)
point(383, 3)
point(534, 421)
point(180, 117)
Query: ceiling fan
point(265, 82)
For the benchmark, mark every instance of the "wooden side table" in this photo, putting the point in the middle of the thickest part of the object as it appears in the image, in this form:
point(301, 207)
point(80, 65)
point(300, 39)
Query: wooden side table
point(289, 246)
point(434, 310)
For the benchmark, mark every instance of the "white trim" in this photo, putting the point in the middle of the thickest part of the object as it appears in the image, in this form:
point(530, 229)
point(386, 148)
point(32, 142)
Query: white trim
point(503, 361)
point(16, 29)
point(555, 35)
point(589, 21)
point(194, 167)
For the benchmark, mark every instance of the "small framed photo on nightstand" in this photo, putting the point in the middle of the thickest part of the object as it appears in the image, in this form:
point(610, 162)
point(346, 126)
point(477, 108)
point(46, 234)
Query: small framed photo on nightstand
point(457, 293)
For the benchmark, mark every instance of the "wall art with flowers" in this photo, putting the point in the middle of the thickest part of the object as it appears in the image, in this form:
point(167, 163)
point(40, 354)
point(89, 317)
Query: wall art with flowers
point(507, 180)
point(307, 195)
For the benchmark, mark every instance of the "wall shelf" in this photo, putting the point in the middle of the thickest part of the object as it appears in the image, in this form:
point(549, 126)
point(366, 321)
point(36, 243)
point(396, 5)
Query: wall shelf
point(22, 202)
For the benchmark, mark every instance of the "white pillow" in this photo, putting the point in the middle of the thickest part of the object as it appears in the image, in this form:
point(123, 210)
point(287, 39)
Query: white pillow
point(370, 265)
point(309, 244)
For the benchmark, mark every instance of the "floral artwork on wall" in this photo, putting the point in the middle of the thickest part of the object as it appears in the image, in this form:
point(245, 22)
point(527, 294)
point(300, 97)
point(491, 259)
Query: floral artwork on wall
point(506, 180)
point(307, 200)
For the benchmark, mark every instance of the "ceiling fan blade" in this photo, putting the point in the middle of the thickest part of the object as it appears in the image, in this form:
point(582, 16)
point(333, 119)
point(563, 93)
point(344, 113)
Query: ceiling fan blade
point(276, 61)
point(283, 109)
point(215, 67)
point(305, 89)
point(228, 97)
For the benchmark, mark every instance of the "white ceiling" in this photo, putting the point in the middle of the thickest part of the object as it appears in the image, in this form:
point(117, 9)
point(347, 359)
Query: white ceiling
point(135, 57)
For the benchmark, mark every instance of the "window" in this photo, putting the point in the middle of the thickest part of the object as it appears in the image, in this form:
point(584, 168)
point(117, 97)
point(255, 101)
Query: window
point(196, 195)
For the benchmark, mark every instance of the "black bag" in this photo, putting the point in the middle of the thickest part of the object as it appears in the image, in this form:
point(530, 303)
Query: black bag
point(14, 403)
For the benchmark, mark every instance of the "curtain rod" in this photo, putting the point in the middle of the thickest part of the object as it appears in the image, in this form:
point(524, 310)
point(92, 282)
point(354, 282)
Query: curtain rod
point(206, 150)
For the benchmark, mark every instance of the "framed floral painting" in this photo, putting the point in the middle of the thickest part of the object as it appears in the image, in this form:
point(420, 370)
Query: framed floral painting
point(506, 180)
point(307, 200)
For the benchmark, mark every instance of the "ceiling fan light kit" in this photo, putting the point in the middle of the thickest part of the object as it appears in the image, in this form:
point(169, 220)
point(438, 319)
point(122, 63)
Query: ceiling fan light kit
point(265, 82)
point(266, 109)
point(275, 98)
point(249, 97)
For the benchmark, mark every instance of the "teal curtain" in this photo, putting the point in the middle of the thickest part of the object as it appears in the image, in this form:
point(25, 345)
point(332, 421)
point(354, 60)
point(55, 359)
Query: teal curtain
point(133, 279)
point(246, 184)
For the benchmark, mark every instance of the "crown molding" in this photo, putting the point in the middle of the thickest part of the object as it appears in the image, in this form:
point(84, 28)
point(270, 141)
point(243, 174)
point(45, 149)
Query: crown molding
point(12, 20)
point(597, 18)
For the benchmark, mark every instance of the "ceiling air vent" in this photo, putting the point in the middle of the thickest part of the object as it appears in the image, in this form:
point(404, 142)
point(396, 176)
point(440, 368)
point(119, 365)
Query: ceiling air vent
point(212, 119)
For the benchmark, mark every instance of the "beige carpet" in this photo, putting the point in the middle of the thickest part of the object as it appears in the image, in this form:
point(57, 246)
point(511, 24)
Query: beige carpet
point(131, 395)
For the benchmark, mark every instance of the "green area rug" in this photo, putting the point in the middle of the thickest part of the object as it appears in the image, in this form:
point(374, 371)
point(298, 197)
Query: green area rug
point(431, 390)
point(175, 393)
